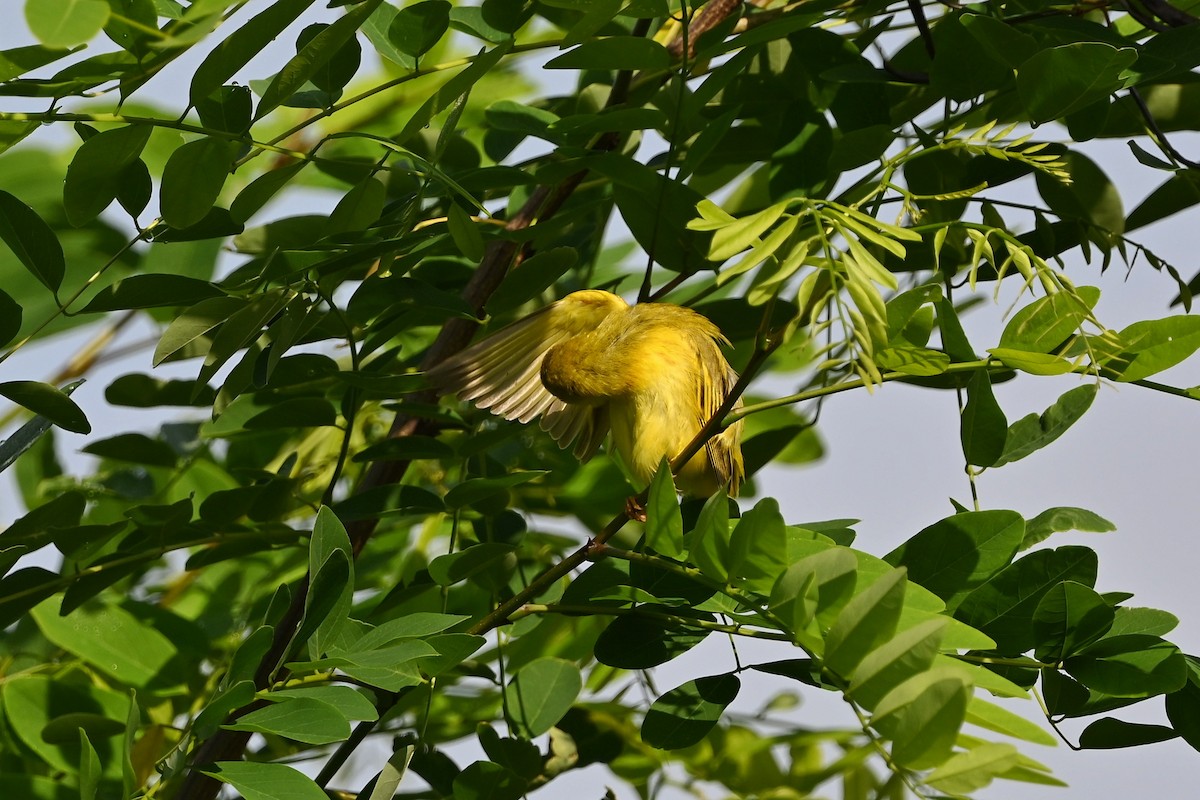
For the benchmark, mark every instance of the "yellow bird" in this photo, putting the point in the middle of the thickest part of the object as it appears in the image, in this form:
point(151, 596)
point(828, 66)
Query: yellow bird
point(652, 372)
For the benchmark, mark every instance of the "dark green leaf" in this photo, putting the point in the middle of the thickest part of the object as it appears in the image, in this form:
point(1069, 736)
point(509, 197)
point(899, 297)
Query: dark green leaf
point(533, 277)
point(97, 172)
point(684, 715)
point(614, 52)
point(1069, 617)
point(452, 568)
point(135, 448)
point(35, 246)
point(540, 693)
point(411, 448)
point(983, 427)
point(451, 90)
point(1109, 733)
point(151, 291)
point(49, 402)
point(484, 780)
point(1133, 665)
point(312, 56)
point(417, 28)
point(236, 50)
point(475, 490)
point(1183, 710)
point(1059, 80)
point(1004, 606)
point(10, 317)
point(1033, 432)
point(227, 109)
point(192, 180)
point(640, 643)
point(953, 556)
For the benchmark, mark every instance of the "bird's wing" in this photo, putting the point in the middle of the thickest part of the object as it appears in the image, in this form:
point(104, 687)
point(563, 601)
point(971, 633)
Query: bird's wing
point(725, 449)
point(502, 373)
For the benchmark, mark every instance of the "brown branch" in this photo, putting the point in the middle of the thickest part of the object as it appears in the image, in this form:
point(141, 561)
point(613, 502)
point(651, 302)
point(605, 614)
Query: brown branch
point(454, 336)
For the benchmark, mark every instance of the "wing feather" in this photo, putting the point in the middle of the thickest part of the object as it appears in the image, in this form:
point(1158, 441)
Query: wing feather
point(502, 372)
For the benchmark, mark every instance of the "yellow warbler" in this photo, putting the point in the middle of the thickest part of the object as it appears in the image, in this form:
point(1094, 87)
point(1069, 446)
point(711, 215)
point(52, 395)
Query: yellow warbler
point(652, 372)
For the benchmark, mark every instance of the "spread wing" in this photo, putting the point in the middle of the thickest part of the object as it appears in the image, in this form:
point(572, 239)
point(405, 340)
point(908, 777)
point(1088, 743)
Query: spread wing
point(502, 373)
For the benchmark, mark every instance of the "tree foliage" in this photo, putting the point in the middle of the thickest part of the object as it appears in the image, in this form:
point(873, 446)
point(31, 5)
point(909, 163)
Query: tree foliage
point(314, 549)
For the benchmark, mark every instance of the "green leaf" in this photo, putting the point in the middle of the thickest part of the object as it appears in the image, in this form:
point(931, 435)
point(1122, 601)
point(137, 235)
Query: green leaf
point(983, 428)
point(387, 782)
point(954, 555)
point(735, 237)
point(187, 330)
point(452, 90)
point(476, 490)
point(1181, 191)
point(1151, 346)
point(10, 317)
point(412, 448)
point(664, 521)
point(995, 718)
point(683, 716)
point(1063, 518)
point(1069, 617)
point(1033, 432)
point(49, 402)
point(30, 703)
point(909, 653)
point(464, 232)
point(192, 180)
point(541, 692)
point(758, 547)
point(331, 565)
point(1003, 607)
point(115, 643)
point(865, 623)
point(151, 291)
point(1133, 665)
point(1183, 710)
point(1046, 323)
point(97, 172)
point(1060, 80)
point(266, 781)
point(922, 717)
point(453, 568)
point(1033, 363)
point(417, 28)
point(300, 719)
point(35, 246)
point(614, 52)
point(227, 109)
point(65, 23)
point(236, 50)
point(312, 56)
point(1108, 733)
point(484, 780)
point(708, 546)
point(534, 276)
point(136, 448)
point(640, 643)
point(963, 773)
point(420, 624)
point(89, 767)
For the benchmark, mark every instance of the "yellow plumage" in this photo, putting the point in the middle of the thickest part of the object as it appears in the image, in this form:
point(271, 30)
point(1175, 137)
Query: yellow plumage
point(653, 373)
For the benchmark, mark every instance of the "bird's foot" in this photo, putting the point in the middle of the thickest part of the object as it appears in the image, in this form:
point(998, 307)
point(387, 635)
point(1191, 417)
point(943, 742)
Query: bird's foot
point(635, 510)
